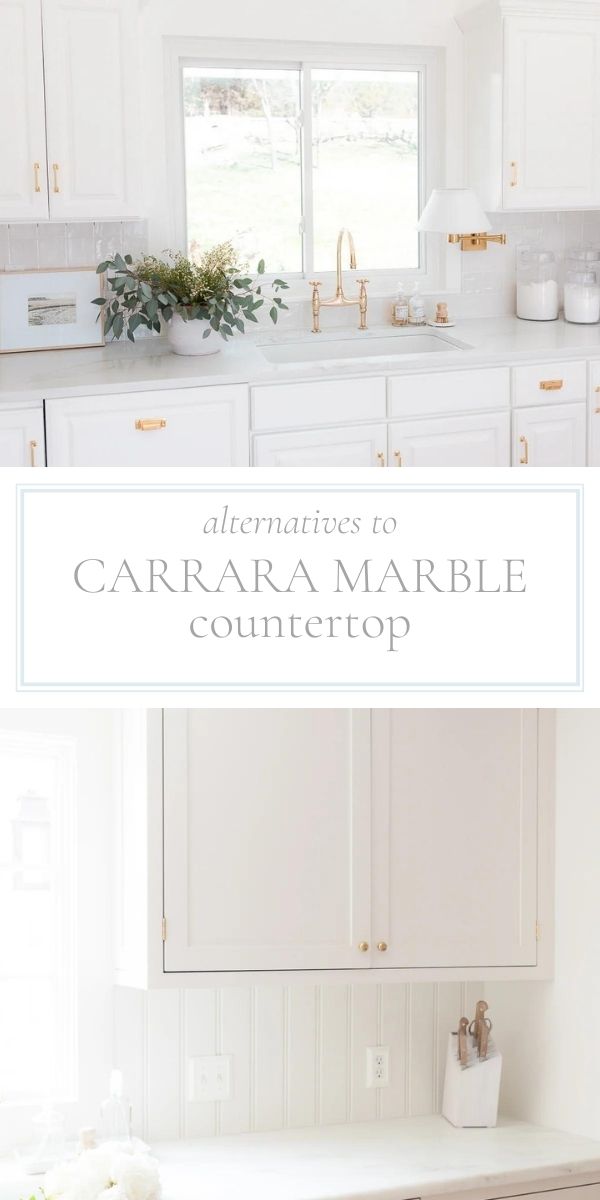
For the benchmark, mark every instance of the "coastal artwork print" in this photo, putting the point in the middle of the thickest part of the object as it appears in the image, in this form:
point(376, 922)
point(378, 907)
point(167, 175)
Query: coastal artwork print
point(49, 310)
point(52, 310)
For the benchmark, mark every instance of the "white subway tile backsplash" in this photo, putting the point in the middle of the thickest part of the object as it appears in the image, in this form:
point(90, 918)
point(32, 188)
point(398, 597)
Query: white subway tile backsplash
point(80, 244)
point(50, 245)
point(298, 1053)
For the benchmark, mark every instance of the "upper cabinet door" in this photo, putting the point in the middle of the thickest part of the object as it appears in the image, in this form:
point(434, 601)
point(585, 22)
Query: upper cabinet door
point(266, 839)
point(90, 59)
point(23, 181)
point(551, 100)
point(455, 837)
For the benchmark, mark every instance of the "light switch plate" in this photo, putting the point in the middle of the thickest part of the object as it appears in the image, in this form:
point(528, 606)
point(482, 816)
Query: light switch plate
point(209, 1078)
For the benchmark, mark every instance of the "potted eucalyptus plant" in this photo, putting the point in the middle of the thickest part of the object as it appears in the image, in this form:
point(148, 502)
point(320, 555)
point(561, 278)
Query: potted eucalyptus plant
point(200, 300)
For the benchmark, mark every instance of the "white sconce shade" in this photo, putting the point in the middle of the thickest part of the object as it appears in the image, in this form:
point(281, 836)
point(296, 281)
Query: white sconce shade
point(453, 210)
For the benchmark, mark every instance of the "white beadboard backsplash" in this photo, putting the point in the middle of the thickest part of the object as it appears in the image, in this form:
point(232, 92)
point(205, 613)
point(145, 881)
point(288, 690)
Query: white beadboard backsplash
point(299, 1053)
point(53, 244)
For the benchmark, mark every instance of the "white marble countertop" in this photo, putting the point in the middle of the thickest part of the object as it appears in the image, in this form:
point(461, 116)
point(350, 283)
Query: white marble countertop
point(413, 1157)
point(26, 379)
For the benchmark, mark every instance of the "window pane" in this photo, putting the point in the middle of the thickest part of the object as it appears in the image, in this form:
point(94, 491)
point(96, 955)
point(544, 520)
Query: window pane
point(366, 166)
point(243, 177)
point(37, 873)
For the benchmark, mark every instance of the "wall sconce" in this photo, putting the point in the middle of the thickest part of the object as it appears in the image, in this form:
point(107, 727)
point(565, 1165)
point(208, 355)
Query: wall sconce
point(449, 209)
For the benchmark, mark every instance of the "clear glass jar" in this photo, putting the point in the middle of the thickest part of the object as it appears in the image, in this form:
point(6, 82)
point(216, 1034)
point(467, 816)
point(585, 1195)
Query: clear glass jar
point(537, 286)
point(582, 298)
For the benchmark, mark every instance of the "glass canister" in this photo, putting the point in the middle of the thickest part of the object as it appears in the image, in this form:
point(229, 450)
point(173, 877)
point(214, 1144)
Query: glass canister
point(582, 286)
point(537, 285)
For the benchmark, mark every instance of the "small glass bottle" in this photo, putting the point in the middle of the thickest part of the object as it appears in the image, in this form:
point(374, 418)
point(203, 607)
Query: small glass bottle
point(400, 306)
point(416, 307)
point(115, 1112)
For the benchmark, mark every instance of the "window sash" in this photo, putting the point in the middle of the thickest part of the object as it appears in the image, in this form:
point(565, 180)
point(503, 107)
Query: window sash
point(425, 62)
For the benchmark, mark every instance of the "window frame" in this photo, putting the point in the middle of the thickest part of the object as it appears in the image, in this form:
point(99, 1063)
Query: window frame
point(306, 57)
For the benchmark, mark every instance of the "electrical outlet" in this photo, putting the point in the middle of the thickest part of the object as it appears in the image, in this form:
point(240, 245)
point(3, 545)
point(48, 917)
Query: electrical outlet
point(378, 1066)
point(209, 1078)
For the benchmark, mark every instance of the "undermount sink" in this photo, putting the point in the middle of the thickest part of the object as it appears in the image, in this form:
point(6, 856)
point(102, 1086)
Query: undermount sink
point(359, 346)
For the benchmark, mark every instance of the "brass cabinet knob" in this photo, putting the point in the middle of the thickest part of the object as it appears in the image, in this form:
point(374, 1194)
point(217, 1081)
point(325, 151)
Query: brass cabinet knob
point(398, 457)
point(382, 946)
point(364, 946)
point(381, 458)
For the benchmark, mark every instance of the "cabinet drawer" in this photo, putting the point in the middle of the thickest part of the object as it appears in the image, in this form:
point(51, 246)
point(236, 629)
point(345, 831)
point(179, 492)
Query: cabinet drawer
point(545, 382)
point(326, 402)
point(349, 446)
point(178, 427)
point(449, 391)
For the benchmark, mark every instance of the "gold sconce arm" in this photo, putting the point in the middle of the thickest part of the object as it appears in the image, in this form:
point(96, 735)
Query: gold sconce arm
point(476, 241)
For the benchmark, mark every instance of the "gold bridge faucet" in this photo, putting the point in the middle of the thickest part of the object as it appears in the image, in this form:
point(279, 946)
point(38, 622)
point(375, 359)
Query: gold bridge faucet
point(340, 299)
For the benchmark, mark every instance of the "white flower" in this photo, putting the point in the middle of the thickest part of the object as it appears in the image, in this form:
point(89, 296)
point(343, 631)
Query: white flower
point(137, 1176)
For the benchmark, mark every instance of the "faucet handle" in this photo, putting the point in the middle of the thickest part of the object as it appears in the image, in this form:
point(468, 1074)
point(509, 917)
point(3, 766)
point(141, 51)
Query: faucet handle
point(362, 280)
point(315, 283)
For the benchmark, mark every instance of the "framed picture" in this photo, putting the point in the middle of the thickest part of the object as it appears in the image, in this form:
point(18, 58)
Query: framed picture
point(49, 310)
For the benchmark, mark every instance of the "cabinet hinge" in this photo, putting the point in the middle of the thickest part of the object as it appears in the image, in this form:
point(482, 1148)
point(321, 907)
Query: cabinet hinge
point(164, 929)
point(538, 931)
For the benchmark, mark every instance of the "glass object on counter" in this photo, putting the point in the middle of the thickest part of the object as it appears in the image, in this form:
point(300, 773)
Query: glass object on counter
point(582, 286)
point(48, 1145)
point(416, 307)
point(537, 285)
point(115, 1112)
point(582, 297)
point(400, 306)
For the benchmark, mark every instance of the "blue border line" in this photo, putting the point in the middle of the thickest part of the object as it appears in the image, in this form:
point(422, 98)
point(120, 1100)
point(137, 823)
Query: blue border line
point(23, 490)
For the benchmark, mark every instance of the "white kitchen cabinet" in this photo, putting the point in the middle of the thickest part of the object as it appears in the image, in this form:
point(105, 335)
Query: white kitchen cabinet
point(397, 844)
point(22, 438)
point(343, 446)
point(594, 447)
point(455, 795)
point(70, 126)
point(454, 441)
point(266, 839)
point(532, 80)
point(23, 180)
point(92, 108)
point(178, 427)
point(550, 436)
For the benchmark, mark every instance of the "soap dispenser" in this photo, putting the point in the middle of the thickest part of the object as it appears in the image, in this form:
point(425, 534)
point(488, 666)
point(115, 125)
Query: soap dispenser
point(416, 307)
point(115, 1112)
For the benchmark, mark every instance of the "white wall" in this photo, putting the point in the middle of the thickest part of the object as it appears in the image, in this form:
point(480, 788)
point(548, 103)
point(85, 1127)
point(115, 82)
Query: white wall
point(549, 1032)
point(298, 1053)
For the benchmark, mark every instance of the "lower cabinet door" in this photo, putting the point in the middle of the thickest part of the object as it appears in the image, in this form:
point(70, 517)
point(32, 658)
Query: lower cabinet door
point(346, 446)
point(463, 441)
point(22, 438)
point(455, 837)
point(595, 433)
point(266, 839)
point(550, 436)
point(178, 427)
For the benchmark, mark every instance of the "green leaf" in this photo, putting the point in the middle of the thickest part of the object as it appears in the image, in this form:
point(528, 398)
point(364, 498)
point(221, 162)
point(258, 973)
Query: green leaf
point(261, 267)
point(280, 283)
point(130, 335)
point(274, 314)
point(128, 259)
point(101, 268)
point(118, 326)
point(250, 317)
point(207, 333)
point(101, 300)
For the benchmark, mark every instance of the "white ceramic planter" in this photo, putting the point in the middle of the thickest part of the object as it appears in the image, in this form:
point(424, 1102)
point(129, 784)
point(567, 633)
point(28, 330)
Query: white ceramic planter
point(187, 337)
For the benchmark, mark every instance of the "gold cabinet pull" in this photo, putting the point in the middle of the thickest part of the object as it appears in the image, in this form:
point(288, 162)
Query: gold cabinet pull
point(514, 174)
point(551, 385)
point(398, 457)
point(55, 170)
point(524, 459)
point(364, 946)
point(145, 424)
point(380, 458)
point(597, 410)
point(382, 946)
point(32, 450)
point(36, 177)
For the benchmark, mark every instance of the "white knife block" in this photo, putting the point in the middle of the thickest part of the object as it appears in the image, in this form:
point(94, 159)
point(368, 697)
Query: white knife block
point(471, 1094)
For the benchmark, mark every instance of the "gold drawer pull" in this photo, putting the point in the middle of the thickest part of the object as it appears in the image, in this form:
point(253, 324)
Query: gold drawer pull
point(364, 946)
point(551, 385)
point(380, 458)
point(148, 423)
point(524, 459)
point(514, 178)
point(382, 946)
point(398, 457)
point(32, 450)
point(55, 170)
point(36, 177)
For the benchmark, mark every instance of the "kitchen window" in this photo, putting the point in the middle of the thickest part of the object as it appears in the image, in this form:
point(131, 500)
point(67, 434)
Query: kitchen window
point(279, 156)
point(37, 883)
